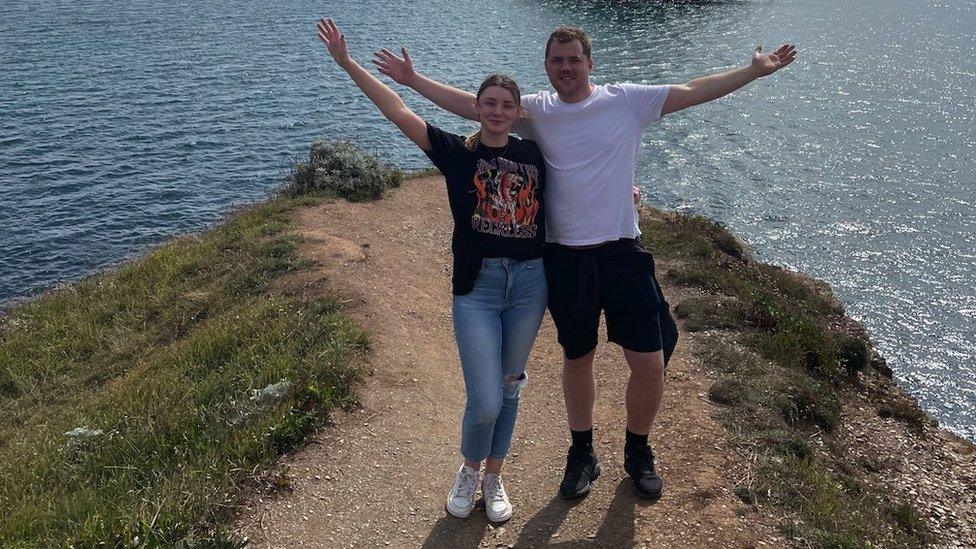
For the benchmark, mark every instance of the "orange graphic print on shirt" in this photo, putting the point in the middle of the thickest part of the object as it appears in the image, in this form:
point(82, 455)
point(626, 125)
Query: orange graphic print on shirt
point(507, 198)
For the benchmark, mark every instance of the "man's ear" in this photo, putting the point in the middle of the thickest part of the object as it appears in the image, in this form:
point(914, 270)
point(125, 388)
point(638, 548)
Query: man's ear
point(590, 62)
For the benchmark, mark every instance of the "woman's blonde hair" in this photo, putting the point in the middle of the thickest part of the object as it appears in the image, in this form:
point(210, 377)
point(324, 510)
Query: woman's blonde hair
point(501, 81)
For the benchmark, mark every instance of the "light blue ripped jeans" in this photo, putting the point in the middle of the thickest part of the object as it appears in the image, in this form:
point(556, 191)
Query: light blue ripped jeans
point(495, 325)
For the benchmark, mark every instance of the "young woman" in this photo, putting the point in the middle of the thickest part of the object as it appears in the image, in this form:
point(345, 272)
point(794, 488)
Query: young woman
point(494, 187)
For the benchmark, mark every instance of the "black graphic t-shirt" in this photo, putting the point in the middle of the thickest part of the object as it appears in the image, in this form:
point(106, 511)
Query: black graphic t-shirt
point(496, 200)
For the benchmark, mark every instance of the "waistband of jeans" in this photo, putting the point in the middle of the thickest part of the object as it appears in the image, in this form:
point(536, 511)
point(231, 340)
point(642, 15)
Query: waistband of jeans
point(507, 261)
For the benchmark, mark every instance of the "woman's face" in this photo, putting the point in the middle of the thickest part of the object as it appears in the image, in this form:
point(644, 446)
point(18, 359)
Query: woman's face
point(497, 109)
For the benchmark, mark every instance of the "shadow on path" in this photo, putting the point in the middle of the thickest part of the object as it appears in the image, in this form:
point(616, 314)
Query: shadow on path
point(450, 531)
point(617, 529)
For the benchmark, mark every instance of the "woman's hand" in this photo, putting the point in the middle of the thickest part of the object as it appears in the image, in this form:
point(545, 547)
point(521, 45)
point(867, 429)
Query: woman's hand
point(379, 93)
point(334, 40)
point(400, 69)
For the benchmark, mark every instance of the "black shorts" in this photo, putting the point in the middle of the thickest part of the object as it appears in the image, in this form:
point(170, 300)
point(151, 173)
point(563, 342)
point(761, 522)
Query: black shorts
point(618, 278)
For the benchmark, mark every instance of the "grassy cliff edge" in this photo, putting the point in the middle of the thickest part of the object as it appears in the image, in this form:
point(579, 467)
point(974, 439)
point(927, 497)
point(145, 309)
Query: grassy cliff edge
point(796, 384)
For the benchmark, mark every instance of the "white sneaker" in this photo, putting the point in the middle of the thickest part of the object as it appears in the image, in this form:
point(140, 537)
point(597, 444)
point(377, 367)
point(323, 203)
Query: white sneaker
point(497, 506)
point(460, 501)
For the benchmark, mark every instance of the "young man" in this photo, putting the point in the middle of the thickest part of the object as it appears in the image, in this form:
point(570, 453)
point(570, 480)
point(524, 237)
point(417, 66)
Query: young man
point(590, 135)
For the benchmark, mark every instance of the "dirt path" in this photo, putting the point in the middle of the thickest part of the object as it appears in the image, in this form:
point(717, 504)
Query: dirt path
point(378, 477)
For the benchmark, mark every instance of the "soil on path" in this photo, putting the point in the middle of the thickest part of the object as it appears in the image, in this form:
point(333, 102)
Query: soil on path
point(378, 476)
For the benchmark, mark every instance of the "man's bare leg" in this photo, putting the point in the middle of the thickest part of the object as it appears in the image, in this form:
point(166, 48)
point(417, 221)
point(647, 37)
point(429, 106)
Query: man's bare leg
point(644, 389)
point(579, 391)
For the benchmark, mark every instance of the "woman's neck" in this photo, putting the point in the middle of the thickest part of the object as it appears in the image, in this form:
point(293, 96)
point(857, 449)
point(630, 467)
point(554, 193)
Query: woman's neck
point(490, 139)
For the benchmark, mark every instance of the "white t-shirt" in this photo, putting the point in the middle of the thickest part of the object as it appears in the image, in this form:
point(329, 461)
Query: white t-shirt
point(590, 150)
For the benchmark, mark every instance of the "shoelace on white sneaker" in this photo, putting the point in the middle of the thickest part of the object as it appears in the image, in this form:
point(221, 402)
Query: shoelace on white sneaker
point(493, 490)
point(465, 484)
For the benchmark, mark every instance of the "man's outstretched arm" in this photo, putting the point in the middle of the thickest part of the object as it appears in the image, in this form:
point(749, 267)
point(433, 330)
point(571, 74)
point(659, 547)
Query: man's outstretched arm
point(707, 88)
point(401, 70)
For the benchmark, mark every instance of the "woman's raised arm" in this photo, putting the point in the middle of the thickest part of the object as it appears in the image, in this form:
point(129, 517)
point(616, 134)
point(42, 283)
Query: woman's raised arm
point(379, 93)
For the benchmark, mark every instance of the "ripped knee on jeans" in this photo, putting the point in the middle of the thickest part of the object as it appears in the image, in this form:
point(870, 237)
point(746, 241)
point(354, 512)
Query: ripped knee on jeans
point(512, 385)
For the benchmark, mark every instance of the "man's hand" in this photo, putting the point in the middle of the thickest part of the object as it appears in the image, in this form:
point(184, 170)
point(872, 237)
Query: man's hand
point(397, 68)
point(334, 40)
point(637, 195)
point(766, 64)
point(709, 88)
point(449, 98)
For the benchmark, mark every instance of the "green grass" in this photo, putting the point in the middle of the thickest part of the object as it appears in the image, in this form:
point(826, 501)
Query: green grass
point(709, 313)
point(423, 172)
point(783, 361)
point(904, 410)
point(832, 509)
point(163, 356)
point(179, 377)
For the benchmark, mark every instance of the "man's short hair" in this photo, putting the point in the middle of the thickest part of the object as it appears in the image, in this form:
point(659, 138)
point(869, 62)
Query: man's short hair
point(564, 35)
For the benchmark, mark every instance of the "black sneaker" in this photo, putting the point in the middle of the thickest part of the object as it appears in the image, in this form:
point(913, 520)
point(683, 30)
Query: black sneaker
point(639, 464)
point(582, 468)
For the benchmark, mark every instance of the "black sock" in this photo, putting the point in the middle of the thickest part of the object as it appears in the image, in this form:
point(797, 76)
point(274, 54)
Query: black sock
point(634, 440)
point(582, 439)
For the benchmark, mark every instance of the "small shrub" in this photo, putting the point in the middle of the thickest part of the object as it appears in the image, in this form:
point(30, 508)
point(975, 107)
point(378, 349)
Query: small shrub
point(852, 354)
point(707, 277)
point(904, 410)
point(727, 243)
point(762, 314)
point(805, 399)
point(705, 234)
point(800, 343)
point(8, 388)
point(723, 356)
point(340, 169)
point(292, 430)
point(813, 362)
point(824, 410)
point(728, 391)
point(795, 447)
point(906, 517)
point(811, 295)
point(691, 275)
point(745, 494)
point(852, 485)
point(701, 313)
point(688, 307)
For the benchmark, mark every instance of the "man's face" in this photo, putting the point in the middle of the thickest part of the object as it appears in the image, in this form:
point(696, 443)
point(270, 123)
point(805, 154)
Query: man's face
point(569, 70)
